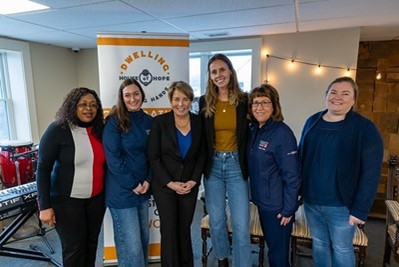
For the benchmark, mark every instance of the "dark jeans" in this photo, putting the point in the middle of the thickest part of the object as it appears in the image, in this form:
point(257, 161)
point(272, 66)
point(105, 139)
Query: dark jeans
point(78, 225)
point(277, 238)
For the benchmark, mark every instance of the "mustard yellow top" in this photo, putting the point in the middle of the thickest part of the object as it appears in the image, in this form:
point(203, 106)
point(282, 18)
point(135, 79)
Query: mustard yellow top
point(225, 127)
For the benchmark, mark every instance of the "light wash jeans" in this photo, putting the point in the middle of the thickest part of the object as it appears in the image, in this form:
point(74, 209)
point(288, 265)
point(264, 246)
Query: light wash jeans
point(332, 235)
point(131, 235)
point(225, 177)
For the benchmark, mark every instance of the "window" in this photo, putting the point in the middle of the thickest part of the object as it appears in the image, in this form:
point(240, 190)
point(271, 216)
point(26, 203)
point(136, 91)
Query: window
point(195, 74)
point(18, 115)
point(6, 129)
point(241, 60)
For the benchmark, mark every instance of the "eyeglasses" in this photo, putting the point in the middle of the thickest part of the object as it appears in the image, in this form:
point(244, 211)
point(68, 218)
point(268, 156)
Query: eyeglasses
point(262, 104)
point(87, 105)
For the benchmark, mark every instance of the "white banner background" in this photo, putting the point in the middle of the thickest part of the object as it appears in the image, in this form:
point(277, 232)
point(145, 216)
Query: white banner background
point(155, 60)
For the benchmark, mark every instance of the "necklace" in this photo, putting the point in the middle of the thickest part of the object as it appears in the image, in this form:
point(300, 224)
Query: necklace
point(182, 126)
point(224, 106)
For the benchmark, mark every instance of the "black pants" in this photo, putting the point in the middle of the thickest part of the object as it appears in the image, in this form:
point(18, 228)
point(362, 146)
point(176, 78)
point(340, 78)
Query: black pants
point(176, 213)
point(78, 224)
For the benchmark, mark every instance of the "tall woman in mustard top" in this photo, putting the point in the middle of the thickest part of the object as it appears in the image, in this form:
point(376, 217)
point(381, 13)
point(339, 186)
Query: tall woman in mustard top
point(224, 112)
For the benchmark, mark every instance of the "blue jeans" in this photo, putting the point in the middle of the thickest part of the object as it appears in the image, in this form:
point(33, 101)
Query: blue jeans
point(225, 177)
point(131, 234)
point(332, 235)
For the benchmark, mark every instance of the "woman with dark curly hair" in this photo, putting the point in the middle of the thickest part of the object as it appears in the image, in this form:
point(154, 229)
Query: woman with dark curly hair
point(70, 176)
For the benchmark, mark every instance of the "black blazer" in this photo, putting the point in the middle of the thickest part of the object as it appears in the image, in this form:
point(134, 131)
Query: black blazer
point(164, 155)
point(242, 134)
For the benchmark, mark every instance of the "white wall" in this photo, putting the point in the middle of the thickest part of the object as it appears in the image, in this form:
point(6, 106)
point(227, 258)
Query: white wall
point(301, 91)
point(57, 70)
point(55, 73)
point(88, 69)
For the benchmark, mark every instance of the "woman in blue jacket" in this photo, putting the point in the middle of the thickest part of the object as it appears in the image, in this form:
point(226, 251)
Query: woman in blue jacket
point(341, 156)
point(274, 171)
point(128, 176)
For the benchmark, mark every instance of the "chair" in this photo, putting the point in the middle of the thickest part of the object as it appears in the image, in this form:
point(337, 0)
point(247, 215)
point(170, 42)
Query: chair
point(255, 231)
point(300, 236)
point(392, 213)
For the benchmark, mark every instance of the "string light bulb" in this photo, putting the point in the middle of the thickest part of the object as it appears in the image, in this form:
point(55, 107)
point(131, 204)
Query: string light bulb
point(291, 65)
point(378, 77)
point(318, 69)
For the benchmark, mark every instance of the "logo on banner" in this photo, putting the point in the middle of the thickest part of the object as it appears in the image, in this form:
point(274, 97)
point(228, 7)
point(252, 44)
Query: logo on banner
point(145, 77)
point(155, 75)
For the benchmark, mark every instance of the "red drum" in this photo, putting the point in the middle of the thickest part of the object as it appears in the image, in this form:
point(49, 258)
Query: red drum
point(17, 161)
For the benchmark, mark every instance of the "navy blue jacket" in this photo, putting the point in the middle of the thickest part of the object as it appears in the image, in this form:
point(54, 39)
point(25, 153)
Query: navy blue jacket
point(127, 160)
point(273, 165)
point(360, 155)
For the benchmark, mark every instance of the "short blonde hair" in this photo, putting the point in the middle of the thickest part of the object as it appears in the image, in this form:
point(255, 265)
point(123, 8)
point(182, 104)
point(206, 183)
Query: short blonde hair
point(182, 87)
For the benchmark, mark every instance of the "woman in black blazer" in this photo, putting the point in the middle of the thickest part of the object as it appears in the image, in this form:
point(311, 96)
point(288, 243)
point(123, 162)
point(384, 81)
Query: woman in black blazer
point(177, 159)
point(224, 111)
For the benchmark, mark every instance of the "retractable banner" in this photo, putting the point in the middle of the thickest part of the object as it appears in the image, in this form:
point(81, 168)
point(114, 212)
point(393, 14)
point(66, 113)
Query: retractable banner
point(155, 60)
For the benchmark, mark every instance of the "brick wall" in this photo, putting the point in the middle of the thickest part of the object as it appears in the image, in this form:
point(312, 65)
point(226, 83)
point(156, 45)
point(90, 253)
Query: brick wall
point(379, 100)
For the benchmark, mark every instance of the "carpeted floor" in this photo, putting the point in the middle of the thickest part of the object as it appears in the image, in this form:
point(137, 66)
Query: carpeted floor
point(374, 230)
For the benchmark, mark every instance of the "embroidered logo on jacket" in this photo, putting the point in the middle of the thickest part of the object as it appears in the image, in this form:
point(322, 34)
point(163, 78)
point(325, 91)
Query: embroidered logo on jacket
point(263, 145)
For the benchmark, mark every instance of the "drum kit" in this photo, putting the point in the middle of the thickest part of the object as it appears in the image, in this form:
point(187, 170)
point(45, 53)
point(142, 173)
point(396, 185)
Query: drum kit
point(18, 161)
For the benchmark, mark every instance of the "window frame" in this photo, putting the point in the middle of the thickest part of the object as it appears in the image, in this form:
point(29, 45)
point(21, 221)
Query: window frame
point(20, 90)
point(5, 94)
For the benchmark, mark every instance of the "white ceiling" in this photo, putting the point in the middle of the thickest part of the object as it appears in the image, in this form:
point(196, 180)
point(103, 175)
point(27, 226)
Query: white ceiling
point(75, 23)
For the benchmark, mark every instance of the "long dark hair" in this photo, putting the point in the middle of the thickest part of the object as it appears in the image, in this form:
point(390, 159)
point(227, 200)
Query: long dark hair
point(66, 115)
point(120, 109)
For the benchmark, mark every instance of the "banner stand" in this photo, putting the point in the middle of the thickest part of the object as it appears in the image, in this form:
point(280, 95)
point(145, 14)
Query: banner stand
point(155, 60)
